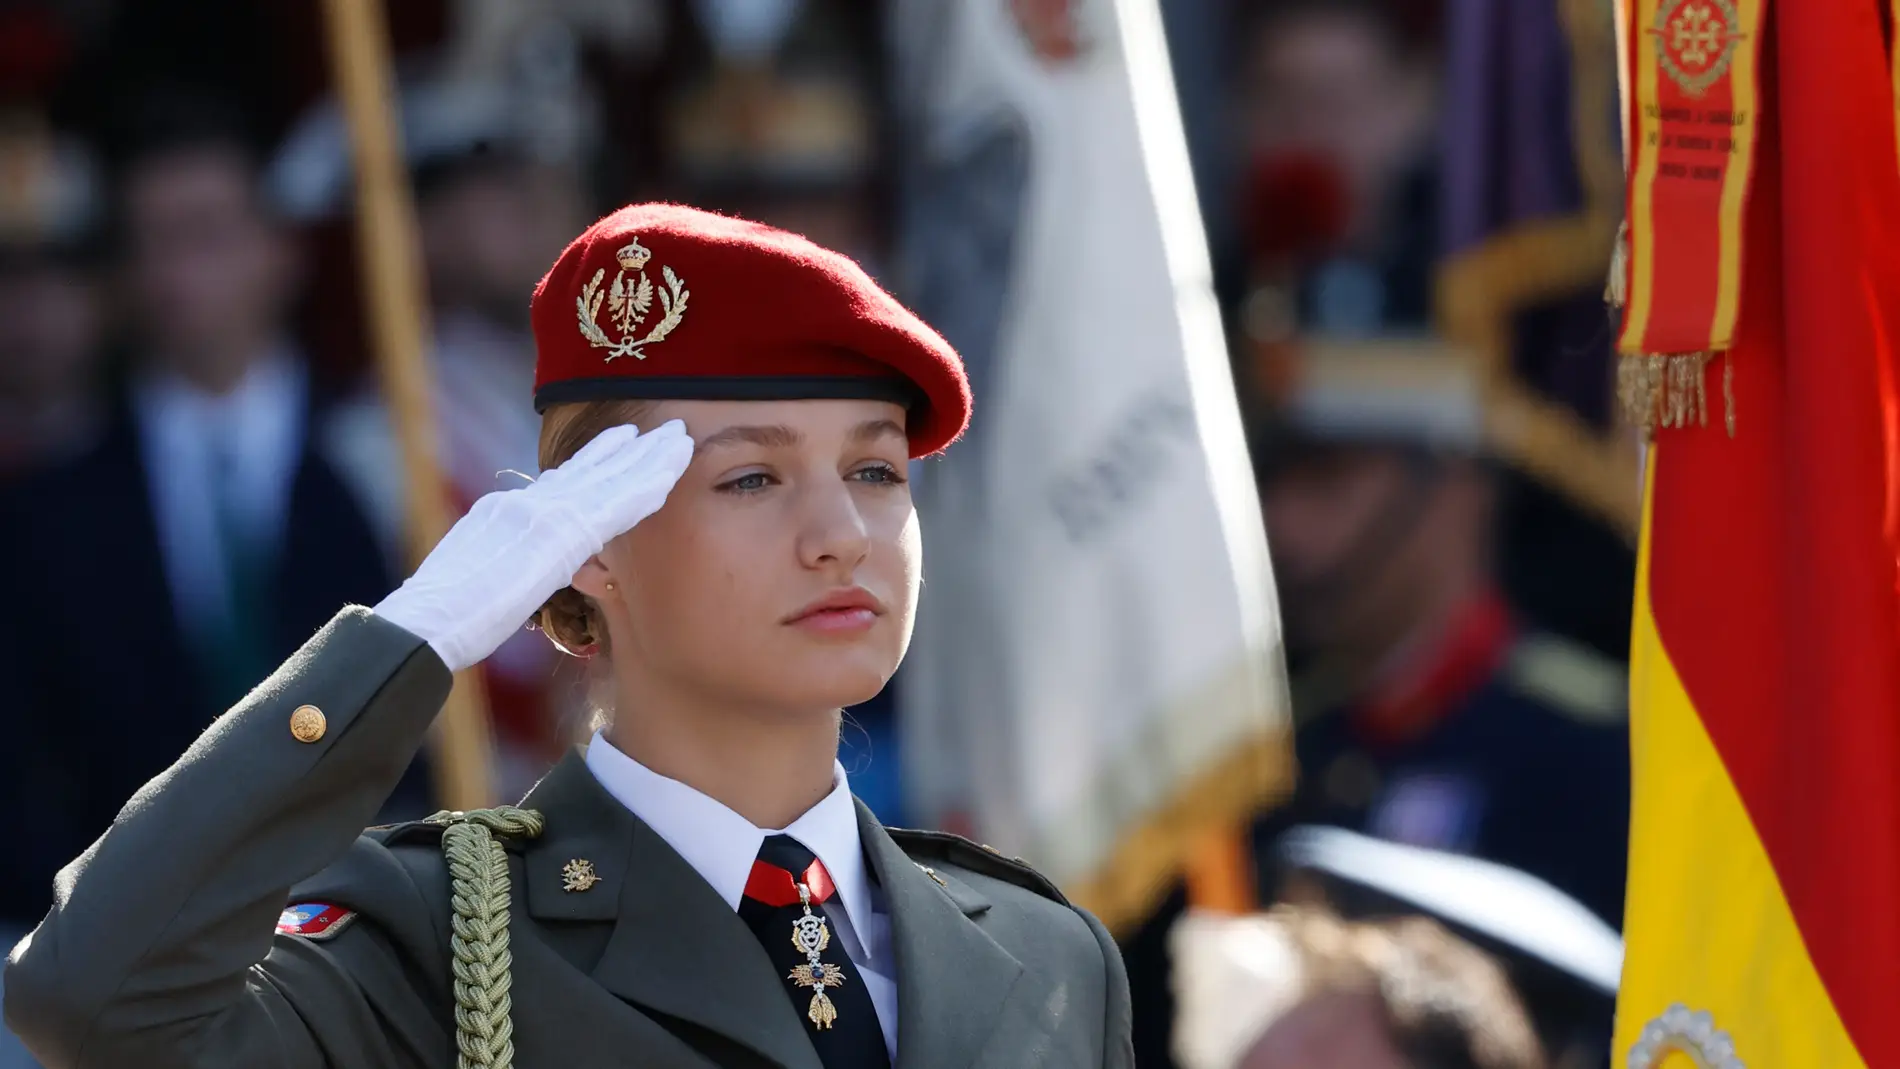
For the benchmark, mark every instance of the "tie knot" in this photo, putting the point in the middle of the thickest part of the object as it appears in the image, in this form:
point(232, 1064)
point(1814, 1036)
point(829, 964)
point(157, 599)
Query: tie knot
point(783, 864)
point(786, 852)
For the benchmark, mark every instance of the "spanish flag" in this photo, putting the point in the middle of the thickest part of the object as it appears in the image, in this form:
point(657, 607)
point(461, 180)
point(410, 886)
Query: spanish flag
point(1763, 924)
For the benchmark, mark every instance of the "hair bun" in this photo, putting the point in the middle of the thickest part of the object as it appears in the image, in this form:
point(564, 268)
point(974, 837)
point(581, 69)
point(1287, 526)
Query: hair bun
point(567, 618)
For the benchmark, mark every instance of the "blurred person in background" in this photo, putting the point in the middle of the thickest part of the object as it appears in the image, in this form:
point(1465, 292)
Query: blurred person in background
point(1425, 713)
point(1561, 961)
point(1308, 990)
point(205, 524)
point(1336, 113)
point(492, 217)
point(494, 204)
point(780, 124)
point(49, 344)
point(1394, 956)
point(51, 315)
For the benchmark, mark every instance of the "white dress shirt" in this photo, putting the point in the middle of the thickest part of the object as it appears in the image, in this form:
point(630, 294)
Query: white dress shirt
point(242, 447)
point(721, 846)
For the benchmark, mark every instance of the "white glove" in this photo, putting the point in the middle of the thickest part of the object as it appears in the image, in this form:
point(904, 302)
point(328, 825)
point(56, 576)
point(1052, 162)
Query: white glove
point(515, 548)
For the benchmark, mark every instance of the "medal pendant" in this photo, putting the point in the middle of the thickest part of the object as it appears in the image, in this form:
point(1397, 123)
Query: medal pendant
point(823, 1011)
point(811, 935)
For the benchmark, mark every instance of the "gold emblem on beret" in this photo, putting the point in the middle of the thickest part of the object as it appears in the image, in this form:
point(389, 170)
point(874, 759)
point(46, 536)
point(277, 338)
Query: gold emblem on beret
point(578, 875)
point(1684, 1031)
point(629, 300)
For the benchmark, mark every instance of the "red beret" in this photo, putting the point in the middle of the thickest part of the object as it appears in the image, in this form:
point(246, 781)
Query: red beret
point(660, 301)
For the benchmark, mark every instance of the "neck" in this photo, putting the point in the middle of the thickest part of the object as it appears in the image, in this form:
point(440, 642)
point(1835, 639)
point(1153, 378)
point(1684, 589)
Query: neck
point(1438, 675)
point(768, 766)
point(219, 369)
point(1423, 631)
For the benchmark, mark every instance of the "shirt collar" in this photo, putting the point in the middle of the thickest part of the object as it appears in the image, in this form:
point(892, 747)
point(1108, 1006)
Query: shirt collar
point(270, 388)
point(258, 424)
point(720, 844)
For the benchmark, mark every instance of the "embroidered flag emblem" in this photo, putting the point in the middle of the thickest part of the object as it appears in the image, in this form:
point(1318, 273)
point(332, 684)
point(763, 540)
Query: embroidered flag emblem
point(314, 920)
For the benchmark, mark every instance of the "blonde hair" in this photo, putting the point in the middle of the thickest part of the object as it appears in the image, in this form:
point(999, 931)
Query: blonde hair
point(569, 618)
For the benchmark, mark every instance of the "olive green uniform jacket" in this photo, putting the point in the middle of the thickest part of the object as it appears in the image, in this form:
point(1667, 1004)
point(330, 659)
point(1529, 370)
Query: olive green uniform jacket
point(161, 950)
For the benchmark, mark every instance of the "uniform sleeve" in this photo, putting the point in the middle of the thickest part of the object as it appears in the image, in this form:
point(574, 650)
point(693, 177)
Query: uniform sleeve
point(1118, 1019)
point(160, 949)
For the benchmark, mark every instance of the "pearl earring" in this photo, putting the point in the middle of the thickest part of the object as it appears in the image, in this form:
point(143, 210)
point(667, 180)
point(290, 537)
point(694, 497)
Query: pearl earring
point(610, 586)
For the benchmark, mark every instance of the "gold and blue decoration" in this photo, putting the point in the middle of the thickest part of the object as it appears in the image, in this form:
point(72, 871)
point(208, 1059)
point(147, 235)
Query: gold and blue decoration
point(810, 936)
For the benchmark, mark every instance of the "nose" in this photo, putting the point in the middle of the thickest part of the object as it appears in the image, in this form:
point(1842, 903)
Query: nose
point(832, 532)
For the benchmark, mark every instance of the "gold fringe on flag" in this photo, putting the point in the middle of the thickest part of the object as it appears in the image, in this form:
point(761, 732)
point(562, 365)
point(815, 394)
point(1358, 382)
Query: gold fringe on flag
point(1658, 390)
point(1663, 391)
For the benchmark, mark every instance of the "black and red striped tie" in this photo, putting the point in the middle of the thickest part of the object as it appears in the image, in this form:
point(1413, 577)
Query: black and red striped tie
point(825, 986)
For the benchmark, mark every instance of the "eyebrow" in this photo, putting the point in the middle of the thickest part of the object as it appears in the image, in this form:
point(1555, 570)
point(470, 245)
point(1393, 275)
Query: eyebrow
point(873, 429)
point(779, 436)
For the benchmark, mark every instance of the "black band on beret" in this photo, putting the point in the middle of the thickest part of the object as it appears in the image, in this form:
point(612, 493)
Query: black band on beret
point(728, 388)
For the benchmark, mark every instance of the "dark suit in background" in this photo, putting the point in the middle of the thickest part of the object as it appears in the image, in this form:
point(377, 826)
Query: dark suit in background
point(100, 687)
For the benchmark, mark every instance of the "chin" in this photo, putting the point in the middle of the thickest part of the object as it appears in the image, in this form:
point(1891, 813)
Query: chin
point(839, 678)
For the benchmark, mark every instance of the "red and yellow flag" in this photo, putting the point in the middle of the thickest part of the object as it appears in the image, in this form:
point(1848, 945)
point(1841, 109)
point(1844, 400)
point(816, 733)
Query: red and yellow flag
point(1694, 124)
point(1763, 924)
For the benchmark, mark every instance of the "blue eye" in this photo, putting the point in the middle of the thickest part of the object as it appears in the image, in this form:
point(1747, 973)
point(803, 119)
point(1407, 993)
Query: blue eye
point(879, 474)
point(750, 483)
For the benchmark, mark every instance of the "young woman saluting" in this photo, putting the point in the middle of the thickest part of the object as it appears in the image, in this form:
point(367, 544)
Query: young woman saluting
point(724, 525)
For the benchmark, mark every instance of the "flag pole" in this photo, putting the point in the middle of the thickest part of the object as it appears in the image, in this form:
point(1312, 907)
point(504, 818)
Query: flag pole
point(392, 289)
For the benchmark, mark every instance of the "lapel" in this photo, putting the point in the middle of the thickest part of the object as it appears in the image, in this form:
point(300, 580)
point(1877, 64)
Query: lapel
point(108, 497)
point(676, 947)
point(328, 553)
point(953, 980)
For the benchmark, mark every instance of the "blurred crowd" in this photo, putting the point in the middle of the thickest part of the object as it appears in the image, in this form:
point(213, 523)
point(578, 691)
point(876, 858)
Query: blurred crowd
point(196, 468)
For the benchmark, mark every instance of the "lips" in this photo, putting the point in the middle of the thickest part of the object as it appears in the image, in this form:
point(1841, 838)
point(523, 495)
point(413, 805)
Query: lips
point(840, 609)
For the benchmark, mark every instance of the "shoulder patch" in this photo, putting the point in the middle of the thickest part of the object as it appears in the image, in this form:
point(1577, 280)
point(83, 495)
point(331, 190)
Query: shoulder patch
point(927, 846)
point(314, 920)
point(1570, 677)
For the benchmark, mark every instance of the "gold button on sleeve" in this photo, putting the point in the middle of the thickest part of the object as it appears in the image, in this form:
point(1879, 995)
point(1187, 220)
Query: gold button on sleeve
point(307, 724)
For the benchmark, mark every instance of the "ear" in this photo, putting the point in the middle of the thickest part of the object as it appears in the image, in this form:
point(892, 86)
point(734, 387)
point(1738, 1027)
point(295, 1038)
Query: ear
point(593, 578)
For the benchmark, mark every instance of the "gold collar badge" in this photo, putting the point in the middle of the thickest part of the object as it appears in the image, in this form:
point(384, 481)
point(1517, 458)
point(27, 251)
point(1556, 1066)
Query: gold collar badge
point(578, 875)
point(628, 302)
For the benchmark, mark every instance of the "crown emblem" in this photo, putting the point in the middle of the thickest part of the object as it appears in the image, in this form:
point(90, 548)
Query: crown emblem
point(629, 300)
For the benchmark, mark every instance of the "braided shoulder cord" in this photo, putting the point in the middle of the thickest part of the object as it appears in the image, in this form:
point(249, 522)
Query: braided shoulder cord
point(478, 945)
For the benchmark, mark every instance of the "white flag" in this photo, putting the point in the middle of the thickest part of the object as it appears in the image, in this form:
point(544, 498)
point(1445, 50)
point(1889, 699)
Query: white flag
point(1097, 668)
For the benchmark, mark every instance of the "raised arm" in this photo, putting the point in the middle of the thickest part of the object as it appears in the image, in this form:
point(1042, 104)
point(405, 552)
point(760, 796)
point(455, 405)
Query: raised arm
point(159, 949)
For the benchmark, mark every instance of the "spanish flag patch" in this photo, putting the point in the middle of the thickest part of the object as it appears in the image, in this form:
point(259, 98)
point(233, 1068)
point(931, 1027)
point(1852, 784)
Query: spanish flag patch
point(314, 920)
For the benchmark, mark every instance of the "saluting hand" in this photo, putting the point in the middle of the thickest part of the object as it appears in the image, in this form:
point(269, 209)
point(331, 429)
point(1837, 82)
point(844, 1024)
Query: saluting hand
point(515, 548)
